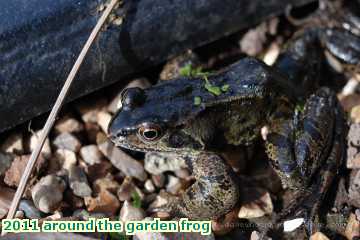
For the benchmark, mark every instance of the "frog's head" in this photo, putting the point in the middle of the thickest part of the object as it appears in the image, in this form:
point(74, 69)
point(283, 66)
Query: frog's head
point(155, 119)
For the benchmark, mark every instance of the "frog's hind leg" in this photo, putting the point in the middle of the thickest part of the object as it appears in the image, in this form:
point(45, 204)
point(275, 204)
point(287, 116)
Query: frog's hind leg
point(319, 152)
point(214, 193)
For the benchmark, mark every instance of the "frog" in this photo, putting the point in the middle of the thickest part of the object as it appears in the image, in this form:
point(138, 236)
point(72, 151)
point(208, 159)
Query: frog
point(203, 117)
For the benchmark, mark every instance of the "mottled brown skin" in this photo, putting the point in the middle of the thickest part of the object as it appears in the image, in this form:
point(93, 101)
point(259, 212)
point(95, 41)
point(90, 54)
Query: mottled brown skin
point(305, 142)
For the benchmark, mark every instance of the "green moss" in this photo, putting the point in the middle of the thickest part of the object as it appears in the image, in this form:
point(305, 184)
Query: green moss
point(136, 199)
point(212, 89)
point(189, 71)
point(300, 107)
point(197, 101)
point(225, 87)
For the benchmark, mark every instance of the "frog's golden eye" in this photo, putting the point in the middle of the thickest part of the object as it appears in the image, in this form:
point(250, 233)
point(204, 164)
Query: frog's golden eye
point(150, 132)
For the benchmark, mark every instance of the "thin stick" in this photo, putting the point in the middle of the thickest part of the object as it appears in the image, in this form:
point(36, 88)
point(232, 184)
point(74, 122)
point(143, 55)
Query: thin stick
point(52, 117)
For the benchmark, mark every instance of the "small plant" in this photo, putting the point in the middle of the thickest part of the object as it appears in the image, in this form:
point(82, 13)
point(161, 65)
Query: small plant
point(197, 101)
point(136, 199)
point(189, 71)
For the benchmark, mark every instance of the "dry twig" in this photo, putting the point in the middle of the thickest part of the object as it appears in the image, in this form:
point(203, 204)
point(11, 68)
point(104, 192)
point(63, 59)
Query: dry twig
point(55, 110)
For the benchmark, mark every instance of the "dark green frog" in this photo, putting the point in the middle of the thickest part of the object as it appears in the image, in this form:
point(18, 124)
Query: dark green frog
point(202, 117)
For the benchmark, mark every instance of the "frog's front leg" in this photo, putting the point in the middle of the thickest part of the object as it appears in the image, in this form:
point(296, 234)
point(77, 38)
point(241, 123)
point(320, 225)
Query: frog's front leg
point(317, 150)
point(280, 143)
point(214, 193)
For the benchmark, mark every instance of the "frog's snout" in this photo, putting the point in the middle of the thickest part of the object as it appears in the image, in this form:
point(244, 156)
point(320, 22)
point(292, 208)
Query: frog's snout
point(115, 131)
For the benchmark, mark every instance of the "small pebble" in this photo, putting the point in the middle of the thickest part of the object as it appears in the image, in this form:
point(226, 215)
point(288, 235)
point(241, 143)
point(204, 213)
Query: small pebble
point(46, 149)
point(47, 194)
point(122, 161)
point(89, 108)
point(66, 158)
point(16, 170)
point(354, 188)
point(357, 214)
point(67, 141)
point(3, 212)
point(29, 209)
point(130, 213)
point(319, 236)
point(68, 125)
point(252, 42)
point(126, 190)
point(159, 180)
point(56, 216)
point(13, 144)
point(78, 182)
point(104, 119)
point(105, 202)
point(255, 235)
point(349, 101)
point(6, 196)
point(355, 114)
point(97, 171)
point(19, 214)
point(272, 54)
point(353, 154)
point(173, 185)
point(183, 173)
point(91, 154)
point(160, 200)
point(106, 183)
point(352, 230)
point(149, 186)
point(350, 87)
point(5, 162)
point(292, 225)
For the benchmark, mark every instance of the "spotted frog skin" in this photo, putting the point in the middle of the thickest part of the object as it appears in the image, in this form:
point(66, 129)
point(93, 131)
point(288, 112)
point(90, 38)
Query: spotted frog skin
point(305, 143)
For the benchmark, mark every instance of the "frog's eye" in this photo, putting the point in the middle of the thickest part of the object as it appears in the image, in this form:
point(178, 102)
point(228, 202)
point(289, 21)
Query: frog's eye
point(150, 132)
point(131, 97)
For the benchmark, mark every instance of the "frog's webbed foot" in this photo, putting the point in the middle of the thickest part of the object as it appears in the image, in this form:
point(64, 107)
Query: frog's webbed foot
point(214, 193)
point(317, 154)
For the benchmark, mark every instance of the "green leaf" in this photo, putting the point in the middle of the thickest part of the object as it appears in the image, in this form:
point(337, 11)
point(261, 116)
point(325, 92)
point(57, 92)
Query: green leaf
point(136, 199)
point(300, 107)
point(197, 71)
point(213, 89)
point(186, 70)
point(225, 87)
point(197, 101)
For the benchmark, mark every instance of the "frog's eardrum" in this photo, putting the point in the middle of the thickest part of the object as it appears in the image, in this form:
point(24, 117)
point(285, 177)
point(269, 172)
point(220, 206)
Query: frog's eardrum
point(40, 40)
